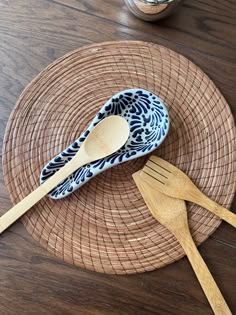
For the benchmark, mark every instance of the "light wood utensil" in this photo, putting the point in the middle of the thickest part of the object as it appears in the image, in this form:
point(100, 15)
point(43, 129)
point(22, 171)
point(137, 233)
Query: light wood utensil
point(171, 213)
point(171, 181)
point(106, 138)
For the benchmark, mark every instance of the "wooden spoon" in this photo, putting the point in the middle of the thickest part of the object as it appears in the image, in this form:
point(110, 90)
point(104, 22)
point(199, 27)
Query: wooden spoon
point(106, 138)
point(171, 181)
point(172, 213)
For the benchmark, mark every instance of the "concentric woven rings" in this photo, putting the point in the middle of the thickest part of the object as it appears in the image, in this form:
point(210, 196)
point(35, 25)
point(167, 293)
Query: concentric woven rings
point(105, 226)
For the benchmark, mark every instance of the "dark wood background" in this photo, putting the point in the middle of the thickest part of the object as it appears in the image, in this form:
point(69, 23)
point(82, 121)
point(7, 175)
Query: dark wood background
point(33, 33)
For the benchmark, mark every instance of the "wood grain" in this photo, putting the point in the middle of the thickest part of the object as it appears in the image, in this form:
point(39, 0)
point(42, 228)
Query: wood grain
point(199, 25)
point(34, 33)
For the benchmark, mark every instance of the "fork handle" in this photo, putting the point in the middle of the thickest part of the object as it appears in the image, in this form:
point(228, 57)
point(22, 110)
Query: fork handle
point(215, 208)
point(208, 284)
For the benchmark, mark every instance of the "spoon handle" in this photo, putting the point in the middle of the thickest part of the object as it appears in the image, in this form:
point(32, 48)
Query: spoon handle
point(223, 213)
point(208, 284)
point(29, 201)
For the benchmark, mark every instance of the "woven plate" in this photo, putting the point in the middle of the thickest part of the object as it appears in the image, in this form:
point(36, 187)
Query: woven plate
point(105, 226)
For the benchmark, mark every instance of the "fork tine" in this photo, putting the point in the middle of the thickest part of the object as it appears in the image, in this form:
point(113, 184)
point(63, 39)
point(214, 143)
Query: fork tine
point(155, 178)
point(152, 181)
point(163, 164)
point(157, 164)
point(152, 173)
point(156, 170)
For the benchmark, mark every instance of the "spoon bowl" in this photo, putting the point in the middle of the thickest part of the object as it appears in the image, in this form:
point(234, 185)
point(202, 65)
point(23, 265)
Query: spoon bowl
point(148, 121)
point(101, 142)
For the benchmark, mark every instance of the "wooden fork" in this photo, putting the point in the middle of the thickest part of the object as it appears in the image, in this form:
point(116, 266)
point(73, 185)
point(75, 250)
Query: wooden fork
point(171, 181)
point(171, 213)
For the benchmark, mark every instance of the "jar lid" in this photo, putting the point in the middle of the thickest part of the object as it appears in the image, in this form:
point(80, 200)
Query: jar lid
point(154, 2)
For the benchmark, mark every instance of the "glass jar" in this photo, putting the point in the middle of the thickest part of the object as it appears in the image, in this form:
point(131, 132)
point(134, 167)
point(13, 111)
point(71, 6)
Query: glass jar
point(152, 10)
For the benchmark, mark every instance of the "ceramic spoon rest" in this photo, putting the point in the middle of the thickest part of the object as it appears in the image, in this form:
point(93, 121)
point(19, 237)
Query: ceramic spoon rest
point(149, 124)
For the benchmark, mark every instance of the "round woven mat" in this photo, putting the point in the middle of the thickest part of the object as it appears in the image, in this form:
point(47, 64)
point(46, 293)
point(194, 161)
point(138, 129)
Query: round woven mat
point(105, 226)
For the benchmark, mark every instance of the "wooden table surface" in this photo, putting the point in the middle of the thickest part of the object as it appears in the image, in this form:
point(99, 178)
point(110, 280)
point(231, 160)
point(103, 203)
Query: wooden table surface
point(34, 33)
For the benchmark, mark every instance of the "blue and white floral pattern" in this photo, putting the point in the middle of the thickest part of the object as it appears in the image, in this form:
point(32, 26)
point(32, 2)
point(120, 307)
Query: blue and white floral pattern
point(149, 124)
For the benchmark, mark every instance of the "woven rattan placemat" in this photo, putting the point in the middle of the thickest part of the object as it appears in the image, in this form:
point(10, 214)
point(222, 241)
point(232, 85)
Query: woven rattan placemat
point(105, 226)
